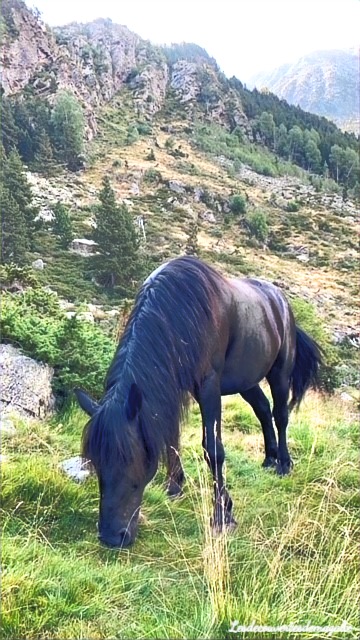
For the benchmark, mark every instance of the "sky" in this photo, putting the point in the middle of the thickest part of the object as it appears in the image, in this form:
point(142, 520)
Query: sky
point(244, 36)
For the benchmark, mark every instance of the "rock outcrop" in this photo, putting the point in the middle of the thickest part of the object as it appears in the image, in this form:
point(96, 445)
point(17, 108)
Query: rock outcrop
point(25, 384)
point(96, 60)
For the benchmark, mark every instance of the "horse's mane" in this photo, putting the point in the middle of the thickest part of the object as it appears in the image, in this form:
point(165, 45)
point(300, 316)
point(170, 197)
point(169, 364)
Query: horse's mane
point(163, 350)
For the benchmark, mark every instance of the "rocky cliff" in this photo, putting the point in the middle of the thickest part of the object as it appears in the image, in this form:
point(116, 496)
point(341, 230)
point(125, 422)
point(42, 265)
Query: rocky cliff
point(96, 60)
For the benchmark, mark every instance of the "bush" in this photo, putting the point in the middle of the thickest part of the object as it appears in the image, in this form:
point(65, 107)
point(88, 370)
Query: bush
point(79, 351)
point(152, 176)
point(132, 135)
point(292, 206)
point(144, 128)
point(238, 204)
point(257, 225)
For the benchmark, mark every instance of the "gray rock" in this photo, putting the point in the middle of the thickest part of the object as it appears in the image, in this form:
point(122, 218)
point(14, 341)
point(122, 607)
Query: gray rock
point(86, 316)
point(7, 427)
point(76, 468)
point(83, 246)
point(25, 384)
point(38, 264)
point(346, 397)
point(176, 186)
point(208, 216)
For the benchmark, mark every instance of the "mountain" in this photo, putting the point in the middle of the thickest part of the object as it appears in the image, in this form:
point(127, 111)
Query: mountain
point(96, 60)
point(323, 82)
point(179, 142)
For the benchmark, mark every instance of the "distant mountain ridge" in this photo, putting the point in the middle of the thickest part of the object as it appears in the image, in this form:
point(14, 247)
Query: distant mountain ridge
point(323, 82)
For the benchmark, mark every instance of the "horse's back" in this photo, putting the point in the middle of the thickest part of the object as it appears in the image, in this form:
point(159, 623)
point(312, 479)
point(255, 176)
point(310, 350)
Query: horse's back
point(261, 328)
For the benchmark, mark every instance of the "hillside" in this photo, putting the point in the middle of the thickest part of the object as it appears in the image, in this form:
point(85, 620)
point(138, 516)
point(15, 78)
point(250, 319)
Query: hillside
point(178, 141)
point(96, 121)
point(323, 82)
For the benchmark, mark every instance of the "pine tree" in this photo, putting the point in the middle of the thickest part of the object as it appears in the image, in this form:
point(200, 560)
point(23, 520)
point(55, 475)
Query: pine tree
point(44, 160)
point(117, 262)
point(16, 182)
point(14, 239)
point(9, 130)
point(62, 226)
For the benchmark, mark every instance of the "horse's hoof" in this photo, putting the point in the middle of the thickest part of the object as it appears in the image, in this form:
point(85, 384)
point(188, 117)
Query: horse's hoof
point(284, 468)
point(229, 525)
point(269, 463)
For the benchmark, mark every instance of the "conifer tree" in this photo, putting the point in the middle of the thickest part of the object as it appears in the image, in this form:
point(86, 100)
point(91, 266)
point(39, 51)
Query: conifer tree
point(62, 226)
point(117, 262)
point(14, 239)
point(9, 130)
point(44, 160)
point(15, 180)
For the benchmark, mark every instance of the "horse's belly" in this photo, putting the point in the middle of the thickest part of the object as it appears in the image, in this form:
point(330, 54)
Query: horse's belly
point(244, 368)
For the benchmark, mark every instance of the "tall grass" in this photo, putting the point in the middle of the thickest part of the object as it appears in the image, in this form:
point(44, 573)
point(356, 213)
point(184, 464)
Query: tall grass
point(291, 560)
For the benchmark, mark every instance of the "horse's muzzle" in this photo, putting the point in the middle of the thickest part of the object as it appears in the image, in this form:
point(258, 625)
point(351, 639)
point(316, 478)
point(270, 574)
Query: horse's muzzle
point(120, 541)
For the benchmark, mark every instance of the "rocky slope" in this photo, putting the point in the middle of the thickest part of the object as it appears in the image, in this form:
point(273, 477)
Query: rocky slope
point(181, 188)
point(96, 60)
point(323, 82)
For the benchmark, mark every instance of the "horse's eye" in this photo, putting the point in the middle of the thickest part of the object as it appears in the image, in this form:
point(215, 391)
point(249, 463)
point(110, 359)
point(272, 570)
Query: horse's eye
point(135, 486)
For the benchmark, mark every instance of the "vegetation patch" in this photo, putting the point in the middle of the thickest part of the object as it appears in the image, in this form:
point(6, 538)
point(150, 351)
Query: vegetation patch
point(291, 560)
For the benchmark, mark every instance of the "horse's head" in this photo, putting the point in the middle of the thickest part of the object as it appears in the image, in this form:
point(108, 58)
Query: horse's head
point(113, 443)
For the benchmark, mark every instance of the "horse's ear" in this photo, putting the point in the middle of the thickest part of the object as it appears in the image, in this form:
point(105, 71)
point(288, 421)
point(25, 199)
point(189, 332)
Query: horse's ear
point(86, 403)
point(134, 402)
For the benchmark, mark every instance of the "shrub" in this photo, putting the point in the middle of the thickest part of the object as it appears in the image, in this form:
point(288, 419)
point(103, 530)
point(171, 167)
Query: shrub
point(144, 128)
point(257, 225)
point(79, 351)
point(292, 206)
point(132, 135)
point(238, 204)
point(152, 176)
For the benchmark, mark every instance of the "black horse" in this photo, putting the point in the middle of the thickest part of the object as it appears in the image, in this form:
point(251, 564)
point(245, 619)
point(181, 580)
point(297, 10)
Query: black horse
point(192, 332)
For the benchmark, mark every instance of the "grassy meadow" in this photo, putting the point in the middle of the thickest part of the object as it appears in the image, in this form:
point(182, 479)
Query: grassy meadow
point(291, 560)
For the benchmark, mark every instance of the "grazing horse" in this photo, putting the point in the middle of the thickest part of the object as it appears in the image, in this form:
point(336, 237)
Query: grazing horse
point(192, 332)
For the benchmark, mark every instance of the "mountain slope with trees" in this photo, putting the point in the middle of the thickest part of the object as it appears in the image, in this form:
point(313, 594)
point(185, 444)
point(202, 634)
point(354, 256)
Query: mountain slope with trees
point(206, 166)
point(323, 82)
point(118, 156)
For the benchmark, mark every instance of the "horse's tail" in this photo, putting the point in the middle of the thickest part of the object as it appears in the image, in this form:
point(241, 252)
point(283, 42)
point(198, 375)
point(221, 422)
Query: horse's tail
point(306, 369)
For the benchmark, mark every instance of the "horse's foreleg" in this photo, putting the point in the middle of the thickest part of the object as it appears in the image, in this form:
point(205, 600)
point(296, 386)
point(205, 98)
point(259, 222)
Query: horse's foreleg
point(175, 472)
point(261, 407)
point(209, 399)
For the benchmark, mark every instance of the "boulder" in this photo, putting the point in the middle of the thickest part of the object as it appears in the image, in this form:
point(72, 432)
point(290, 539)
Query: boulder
point(76, 468)
point(25, 384)
point(83, 246)
point(176, 186)
point(38, 264)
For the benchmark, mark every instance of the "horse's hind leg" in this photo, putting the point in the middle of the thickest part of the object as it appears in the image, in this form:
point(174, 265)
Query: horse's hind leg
point(261, 407)
point(280, 386)
point(175, 472)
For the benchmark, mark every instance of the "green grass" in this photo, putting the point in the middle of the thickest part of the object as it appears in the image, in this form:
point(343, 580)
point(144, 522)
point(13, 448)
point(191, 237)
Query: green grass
point(291, 560)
